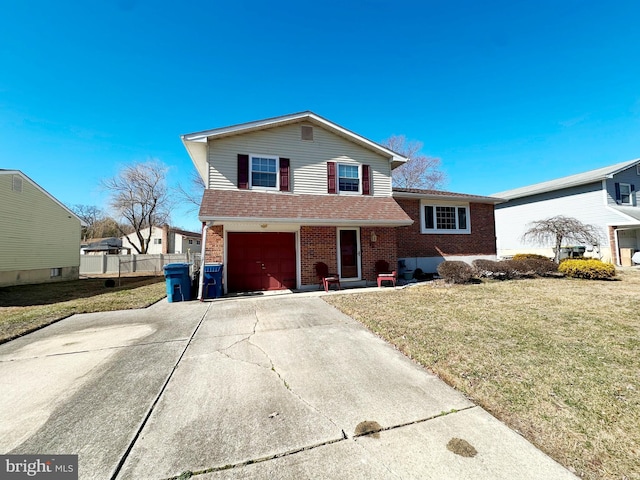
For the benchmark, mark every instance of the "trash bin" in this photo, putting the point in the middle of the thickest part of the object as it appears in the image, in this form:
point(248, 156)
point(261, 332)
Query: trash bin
point(212, 287)
point(178, 282)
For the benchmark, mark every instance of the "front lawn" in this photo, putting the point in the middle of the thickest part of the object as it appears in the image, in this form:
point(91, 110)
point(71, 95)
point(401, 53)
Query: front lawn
point(558, 360)
point(26, 307)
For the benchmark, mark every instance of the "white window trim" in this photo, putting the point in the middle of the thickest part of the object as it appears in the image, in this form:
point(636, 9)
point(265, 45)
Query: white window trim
point(340, 192)
point(630, 202)
point(423, 220)
point(270, 157)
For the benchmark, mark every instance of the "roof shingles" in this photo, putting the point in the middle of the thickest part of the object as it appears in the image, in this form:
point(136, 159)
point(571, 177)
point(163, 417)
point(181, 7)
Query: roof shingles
point(314, 209)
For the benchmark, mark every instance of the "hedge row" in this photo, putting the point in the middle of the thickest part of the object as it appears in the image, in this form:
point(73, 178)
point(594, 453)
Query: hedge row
point(524, 266)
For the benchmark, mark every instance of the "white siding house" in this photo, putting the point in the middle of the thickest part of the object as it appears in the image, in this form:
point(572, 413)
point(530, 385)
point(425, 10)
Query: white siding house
point(605, 197)
point(165, 240)
point(40, 237)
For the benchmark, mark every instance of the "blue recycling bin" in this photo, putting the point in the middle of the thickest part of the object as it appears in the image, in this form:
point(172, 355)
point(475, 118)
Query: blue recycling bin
point(178, 282)
point(212, 286)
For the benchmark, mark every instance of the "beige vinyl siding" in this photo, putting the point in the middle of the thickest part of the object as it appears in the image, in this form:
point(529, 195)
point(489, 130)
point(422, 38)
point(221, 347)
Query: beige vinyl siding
point(35, 231)
point(308, 158)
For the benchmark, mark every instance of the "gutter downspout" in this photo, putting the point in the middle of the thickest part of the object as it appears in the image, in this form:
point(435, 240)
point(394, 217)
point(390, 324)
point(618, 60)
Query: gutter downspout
point(203, 252)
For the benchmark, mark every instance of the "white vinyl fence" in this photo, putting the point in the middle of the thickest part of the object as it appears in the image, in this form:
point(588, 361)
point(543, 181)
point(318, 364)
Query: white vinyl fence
point(123, 264)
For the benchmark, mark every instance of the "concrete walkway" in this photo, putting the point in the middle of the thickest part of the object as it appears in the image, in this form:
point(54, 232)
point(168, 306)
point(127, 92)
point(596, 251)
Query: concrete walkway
point(275, 387)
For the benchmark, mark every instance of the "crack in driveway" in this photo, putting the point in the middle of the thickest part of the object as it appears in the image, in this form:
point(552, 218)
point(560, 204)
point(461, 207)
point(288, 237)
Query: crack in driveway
point(307, 448)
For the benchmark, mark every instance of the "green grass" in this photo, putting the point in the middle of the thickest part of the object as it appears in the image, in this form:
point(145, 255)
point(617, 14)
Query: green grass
point(556, 359)
point(26, 307)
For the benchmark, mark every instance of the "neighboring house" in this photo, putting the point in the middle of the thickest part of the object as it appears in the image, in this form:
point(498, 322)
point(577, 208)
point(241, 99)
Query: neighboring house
point(605, 197)
point(40, 237)
point(165, 239)
point(287, 192)
point(101, 246)
point(447, 226)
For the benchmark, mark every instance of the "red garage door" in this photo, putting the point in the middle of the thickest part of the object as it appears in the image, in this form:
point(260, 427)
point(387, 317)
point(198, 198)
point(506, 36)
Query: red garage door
point(261, 261)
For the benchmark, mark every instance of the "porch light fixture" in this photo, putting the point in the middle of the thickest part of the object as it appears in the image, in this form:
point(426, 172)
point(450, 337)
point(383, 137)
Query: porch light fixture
point(374, 237)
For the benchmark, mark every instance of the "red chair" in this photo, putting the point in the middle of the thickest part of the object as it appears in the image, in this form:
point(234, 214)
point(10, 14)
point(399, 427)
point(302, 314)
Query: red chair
point(326, 278)
point(383, 273)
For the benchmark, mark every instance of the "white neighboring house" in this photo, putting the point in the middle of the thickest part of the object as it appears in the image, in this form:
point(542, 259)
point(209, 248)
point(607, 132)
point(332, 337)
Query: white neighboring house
point(165, 239)
point(606, 197)
point(40, 237)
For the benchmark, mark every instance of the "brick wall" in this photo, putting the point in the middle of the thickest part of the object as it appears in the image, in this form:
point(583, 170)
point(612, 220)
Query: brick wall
point(317, 244)
point(384, 248)
point(612, 244)
point(481, 241)
point(214, 252)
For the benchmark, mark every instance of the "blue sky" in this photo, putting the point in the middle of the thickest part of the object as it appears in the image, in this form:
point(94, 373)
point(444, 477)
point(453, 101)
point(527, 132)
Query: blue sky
point(505, 93)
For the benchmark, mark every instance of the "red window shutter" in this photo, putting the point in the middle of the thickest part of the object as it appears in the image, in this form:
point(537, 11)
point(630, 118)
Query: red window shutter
point(284, 174)
point(366, 180)
point(331, 178)
point(243, 171)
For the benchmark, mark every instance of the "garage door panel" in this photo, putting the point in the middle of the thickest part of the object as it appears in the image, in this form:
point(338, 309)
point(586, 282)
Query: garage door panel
point(261, 261)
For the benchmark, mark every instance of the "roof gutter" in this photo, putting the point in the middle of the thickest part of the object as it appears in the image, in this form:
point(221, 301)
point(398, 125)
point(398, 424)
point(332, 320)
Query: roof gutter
point(311, 221)
point(454, 198)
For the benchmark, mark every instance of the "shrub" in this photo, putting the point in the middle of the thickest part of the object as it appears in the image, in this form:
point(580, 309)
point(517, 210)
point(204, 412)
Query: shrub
point(454, 271)
point(529, 256)
point(539, 266)
point(506, 269)
point(591, 269)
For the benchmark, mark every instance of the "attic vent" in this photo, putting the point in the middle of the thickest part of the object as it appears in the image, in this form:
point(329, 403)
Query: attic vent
point(307, 132)
point(638, 169)
point(17, 183)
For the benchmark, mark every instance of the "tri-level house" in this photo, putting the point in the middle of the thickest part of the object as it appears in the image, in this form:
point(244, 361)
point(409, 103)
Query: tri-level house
point(606, 197)
point(285, 193)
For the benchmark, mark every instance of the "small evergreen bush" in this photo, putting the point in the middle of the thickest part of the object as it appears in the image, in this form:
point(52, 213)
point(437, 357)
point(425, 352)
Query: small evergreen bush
point(454, 271)
point(591, 269)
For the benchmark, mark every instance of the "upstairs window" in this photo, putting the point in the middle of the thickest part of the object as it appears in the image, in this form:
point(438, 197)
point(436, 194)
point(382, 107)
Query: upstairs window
point(157, 241)
point(625, 194)
point(348, 178)
point(264, 172)
point(445, 219)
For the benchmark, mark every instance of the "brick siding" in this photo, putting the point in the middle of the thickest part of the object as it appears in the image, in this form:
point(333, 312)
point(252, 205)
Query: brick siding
point(612, 244)
point(214, 249)
point(384, 248)
point(317, 244)
point(481, 240)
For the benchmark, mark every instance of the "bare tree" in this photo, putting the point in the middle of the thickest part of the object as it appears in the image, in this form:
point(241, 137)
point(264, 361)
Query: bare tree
point(558, 229)
point(139, 195)
point(420, 171)
point(193, 194)
point(89, 214)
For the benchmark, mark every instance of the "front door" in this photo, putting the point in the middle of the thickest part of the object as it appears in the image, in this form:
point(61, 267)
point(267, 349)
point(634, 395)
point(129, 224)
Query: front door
point(348, 247)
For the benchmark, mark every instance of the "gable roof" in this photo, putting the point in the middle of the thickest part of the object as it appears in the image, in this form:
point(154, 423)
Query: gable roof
point(442, 195)
point(328, 210)
point(570, 181)
point(191, 140)
point(42, 190)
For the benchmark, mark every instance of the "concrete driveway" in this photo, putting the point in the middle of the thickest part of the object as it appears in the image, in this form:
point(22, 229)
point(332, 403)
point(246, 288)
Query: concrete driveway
point(265, 387)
